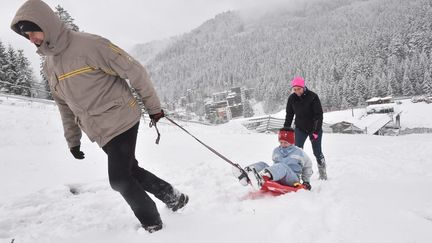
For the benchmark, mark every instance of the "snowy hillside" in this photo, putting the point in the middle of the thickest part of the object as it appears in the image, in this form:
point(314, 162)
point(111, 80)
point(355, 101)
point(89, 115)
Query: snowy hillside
point(146, 52)
point(378, 191)
point(347, 50)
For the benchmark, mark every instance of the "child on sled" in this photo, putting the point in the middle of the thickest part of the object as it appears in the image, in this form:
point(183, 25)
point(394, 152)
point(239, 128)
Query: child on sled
point(291, 165)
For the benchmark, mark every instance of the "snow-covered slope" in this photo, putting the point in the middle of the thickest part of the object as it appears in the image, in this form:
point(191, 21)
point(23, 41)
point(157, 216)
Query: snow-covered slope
point(378, 188)
point(146, 52)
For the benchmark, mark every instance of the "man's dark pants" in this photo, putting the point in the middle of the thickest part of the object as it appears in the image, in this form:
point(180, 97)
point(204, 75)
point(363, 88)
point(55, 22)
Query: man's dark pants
point(132, 181)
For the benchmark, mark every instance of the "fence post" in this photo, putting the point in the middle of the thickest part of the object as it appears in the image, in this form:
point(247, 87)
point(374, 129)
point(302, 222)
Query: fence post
point(268, 123)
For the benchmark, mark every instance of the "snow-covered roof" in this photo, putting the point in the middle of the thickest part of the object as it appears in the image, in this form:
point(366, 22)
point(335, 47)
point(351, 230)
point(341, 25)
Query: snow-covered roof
point(375, 99)
point(385, 105)
point(220, 93)
point(341, 122)
point(373, 122)
point(352, 128)
point(378, 107)
point(232, 94)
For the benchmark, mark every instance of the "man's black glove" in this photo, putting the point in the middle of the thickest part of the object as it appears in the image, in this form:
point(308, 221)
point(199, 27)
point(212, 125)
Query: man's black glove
point(307, 185)
point(77, 153)
point(155, 117)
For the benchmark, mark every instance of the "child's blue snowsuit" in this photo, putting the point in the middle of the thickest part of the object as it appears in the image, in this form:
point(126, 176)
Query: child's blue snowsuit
point(290, 164)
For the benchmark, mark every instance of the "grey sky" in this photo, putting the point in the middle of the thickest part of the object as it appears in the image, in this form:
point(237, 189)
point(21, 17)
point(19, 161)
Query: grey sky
point(127, 22)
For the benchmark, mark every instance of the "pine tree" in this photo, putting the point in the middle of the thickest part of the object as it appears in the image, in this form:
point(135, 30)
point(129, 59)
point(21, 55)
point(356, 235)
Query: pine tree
point(424, 65)
point(25, 77)
point(247, 109)
point(361, 88)
point(349, 92)
point(45, 84)
point(3, 66)
point(393, 84)
point(382, 86)
point(390, 90)
point(407, 87)
point(66, 18)
point(345, 103)
point(11, 74)
point(325, 96)
point(336, 98)
point(416, 73)
point(427, 82)
point(374, 86)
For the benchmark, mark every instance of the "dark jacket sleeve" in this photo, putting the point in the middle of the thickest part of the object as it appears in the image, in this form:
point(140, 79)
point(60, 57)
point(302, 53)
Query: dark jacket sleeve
point(289, 113)
point(317, 114)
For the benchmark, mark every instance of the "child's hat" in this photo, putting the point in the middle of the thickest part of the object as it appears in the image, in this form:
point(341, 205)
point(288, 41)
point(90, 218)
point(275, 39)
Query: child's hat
point(286, 134)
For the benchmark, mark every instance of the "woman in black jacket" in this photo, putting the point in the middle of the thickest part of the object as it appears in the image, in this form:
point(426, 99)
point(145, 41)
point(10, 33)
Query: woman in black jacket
point(306, 107)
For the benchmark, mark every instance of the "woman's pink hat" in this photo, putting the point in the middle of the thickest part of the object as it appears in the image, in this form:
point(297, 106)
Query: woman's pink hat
point(298, 82)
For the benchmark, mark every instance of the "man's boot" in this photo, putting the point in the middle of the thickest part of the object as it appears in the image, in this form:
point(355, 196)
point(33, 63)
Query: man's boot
point(176, 200)
point(322, 169)
point(153, 227)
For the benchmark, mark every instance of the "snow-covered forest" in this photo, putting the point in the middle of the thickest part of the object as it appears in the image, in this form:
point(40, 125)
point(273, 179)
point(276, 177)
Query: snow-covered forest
point(348, 51)
point(16, 75)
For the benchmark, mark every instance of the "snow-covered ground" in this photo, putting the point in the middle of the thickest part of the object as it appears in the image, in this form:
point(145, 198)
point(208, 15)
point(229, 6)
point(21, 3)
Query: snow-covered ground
point(378, 188)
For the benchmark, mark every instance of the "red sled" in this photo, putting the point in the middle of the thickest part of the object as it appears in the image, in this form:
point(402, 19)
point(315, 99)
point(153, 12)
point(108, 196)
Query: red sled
point(278, 189)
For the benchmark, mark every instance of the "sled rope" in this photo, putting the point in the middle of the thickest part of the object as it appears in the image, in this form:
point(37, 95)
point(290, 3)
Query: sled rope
point(208, 147)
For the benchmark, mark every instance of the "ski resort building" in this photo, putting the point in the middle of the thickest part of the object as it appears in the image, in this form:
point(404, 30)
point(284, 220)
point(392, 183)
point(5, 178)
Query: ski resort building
point(227, 105)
